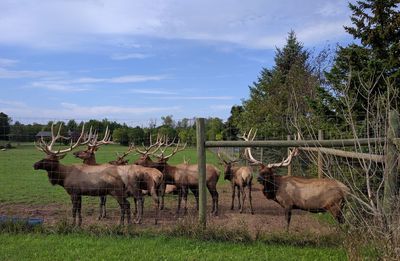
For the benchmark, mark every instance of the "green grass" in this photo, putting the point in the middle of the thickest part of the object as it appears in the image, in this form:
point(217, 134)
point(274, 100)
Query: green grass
point(80, 246)
point(20, 183)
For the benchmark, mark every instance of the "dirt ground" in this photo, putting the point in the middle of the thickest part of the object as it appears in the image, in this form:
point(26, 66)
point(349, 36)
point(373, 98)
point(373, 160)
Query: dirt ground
point(268, 216)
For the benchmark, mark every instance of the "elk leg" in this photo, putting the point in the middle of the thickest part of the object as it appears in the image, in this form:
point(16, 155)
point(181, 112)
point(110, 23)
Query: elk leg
point(162, 194)
point(79, 208)
point(139, 215)
point(156, 201)
point(136, 206)
point(238, 195)
point(196, 196)
point(102, 207)
point(250, 200)
point(233, 196)
point(74, 200)
point(127, 210)
point(214, 196)
point(288, 215)
point(243, 198)
point(185, 195)
point(179, 201)
point(336, 212)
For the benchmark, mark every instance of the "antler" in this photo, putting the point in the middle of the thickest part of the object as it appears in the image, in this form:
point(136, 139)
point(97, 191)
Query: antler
point(250, 136)
point(146, 150)
point(230, 159)
point(48, 148)
point(285, 162)
point(129, 151)
point(161, 156)
point(94, 143)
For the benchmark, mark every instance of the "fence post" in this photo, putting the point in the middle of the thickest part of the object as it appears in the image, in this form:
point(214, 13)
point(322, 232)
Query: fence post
point(320, 159)
point(391, 162)
point(289, 169)
point(201, 161)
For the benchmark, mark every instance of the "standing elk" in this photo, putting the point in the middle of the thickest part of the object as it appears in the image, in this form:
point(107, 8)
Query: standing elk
point(240, 178)
point(80, 179)
point(309, 194)
point(89, 158)
point(150, 181)
point(183, 176)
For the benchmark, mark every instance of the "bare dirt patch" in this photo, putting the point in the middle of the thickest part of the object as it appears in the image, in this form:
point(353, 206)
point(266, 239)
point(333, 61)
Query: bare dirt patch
point(268, 217)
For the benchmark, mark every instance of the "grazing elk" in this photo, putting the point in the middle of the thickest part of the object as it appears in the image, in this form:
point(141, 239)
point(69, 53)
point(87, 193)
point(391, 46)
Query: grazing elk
point(240, 178)
point(183, 176)
point(80, 179)
point(89, 158)
point(310, 194)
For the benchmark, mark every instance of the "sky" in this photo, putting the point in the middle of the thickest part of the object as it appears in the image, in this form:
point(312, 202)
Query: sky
point(134, 61)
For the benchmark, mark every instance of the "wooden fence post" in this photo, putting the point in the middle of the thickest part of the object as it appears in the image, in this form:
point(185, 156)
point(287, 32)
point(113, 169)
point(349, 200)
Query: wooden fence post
point(289, 168)
point(391, 163)
point(320, 159)
point(201, 161)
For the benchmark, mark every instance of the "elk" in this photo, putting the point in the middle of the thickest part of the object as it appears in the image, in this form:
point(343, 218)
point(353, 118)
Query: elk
point(89, 158)
point(183, 176)
point(240, 178)
point(80, 179)
point(151, 182)
point(291, 192)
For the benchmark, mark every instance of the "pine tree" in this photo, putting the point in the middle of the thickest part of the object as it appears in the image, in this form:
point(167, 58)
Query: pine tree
point(376, 24)
point(280, 93)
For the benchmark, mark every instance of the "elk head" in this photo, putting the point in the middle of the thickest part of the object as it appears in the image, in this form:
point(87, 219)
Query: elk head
point(228, 173)
point(266, 172)
point(91, 140)
point(50, 162)
point(121, 158)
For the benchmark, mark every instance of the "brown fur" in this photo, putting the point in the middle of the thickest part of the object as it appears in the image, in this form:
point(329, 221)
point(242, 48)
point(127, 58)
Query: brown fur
point(185, 177)
point(85, 180)
point(310, 194)
point(89, 158)
point(240, 177)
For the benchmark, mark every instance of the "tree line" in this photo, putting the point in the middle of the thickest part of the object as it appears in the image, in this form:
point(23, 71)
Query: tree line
point(184, 130)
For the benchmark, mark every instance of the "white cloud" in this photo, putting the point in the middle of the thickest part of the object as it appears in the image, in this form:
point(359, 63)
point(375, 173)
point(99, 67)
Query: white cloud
point(85, 83)
point(146, 91)
point(4, 62)
point(74, 111)
point(251, 24)
point(120, 57)
point(15, 74)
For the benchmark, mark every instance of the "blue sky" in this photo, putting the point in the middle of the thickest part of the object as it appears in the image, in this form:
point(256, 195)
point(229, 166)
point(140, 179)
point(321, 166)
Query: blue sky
point(135, 61)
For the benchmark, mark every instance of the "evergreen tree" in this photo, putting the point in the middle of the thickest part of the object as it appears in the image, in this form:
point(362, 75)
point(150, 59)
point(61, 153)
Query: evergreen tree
point(281, 93)
point(376, 23)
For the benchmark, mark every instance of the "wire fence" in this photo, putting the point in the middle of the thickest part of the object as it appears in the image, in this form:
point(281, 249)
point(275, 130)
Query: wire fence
point(28, 190)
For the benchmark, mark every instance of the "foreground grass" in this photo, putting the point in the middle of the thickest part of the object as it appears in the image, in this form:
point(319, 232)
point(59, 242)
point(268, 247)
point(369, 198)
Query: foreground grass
point(84, 247)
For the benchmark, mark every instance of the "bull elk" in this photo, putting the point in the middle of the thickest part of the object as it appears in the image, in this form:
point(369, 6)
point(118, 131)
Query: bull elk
point(183, 176)
point(80, 179)
point(89, 158)
point(151, 182)
point(240, 178)
point(309, 194)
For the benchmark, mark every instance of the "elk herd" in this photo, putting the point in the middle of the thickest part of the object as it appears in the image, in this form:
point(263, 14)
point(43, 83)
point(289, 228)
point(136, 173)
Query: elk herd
point(152, 175)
